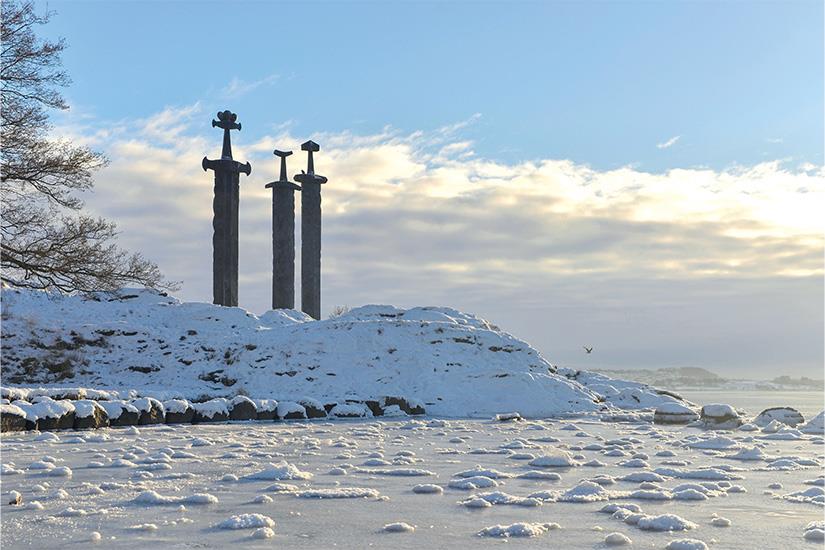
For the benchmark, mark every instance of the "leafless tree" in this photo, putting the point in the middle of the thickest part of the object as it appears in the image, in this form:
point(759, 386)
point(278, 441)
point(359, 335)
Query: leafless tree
point(47, 240)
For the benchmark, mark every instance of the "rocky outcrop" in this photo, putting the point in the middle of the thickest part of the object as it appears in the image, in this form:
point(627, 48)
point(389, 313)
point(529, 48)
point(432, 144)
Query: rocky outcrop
point(403, 404)
point(267, 409)
point(719, 417)
point(674, 413)
point(242, 408)
point(12, 418)
point(121, 413)
point(214, 410)
point(151, 411)
point(178, 411)
point(785, 415)
point(289, 410)
point(89, 415)
point(313, 408)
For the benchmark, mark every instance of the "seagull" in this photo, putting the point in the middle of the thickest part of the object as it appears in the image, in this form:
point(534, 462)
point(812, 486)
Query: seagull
point(588, 350)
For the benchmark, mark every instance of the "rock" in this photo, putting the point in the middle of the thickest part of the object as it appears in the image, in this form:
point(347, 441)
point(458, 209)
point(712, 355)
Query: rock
point(214, 410)
point(267, 409)
point(313, 408)
point(508, 417)
point(151, 411)
point(375, 407)
point(12, 418)
point(89, 415)
point(785, 415)
point(242, 408)
point(350, 410)
point(672, 412)
point(719, 417)
point(121, 413)
point(51, 414)
point(403, 404)
point(289, 410)
point(178, 411)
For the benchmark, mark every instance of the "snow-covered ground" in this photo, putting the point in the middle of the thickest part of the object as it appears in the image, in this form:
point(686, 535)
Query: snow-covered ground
point(453, 363)
point(410, 484)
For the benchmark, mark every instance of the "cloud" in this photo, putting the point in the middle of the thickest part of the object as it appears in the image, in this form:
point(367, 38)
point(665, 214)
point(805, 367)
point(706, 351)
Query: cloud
point(238, 87)
point(669, 143)
point(682, 265)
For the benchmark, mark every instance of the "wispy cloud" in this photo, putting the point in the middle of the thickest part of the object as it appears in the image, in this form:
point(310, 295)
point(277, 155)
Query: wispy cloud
point(238, 87)
point(669, 143)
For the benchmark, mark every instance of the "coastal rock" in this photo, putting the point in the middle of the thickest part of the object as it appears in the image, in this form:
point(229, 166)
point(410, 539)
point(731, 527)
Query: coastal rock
point(674, 413)
point(89, 415)
point(719, 416)
point(178, 411)
point(785, 415)
point(242, 408)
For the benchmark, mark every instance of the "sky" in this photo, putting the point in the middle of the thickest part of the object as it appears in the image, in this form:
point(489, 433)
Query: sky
point(642, 177)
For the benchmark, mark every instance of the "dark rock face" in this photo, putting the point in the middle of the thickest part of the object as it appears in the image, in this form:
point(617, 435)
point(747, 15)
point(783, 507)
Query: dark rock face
point(242, 408)
point(98, 419)
point(126, 418)
point(313, 409)
point(10, 422)
point(295, 415)
point(787, 415)
point(155, 414)
point(374, 407)
point(267, 415)
point(185, 417)
point(65, 422)
point(404, 405)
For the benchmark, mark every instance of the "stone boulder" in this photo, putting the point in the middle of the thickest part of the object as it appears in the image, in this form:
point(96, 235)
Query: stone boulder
point(151, 411)
point(785, 415)
point(672, 412)
point(289, 410)
point(120, 413)
point(313, 408)
point(242, 408)
point(178, 411)
point(51, 414)
point(350, 410)
point(719, 416)
point(403, 404)
point(267, 409)
point(214, 410)
point(89, 415)
point(12, 418)
point(375, 407)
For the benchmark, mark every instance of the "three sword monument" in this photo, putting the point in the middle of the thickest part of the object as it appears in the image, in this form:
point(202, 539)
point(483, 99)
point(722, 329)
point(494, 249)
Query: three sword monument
point(225, 224)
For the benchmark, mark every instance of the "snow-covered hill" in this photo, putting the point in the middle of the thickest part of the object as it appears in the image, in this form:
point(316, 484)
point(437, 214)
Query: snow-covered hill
point(454, 363)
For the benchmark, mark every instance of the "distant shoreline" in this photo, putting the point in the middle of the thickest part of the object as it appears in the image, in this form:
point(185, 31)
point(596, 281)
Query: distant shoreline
point(695, 378)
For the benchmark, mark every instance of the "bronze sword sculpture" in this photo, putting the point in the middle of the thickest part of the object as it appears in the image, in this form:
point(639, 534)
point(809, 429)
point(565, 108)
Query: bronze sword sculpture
point(225, 214)
point(283, 237)
point(310, 234)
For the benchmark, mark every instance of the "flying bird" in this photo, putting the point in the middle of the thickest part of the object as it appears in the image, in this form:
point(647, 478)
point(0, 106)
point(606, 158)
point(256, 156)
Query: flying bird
point(588, 350)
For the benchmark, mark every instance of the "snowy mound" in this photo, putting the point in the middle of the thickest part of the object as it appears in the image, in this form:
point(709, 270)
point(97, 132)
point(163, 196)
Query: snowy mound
point(452, 363)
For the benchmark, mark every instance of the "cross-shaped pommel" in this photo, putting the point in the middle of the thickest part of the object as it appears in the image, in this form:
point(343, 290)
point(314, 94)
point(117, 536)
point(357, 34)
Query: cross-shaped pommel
point(284, 180)
point(226, 120)
point(309, 176)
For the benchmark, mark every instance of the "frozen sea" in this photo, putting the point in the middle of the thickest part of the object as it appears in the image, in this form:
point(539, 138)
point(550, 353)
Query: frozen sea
point(183, 486)
point(809, 403)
